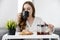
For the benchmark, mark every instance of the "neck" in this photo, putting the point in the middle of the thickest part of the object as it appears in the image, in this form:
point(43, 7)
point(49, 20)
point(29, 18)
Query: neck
point(30, 18)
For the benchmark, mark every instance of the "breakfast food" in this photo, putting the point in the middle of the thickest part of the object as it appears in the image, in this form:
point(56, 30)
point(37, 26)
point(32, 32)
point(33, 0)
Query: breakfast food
point(25, 32)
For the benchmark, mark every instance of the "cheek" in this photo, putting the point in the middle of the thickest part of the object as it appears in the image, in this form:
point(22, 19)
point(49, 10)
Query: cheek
point(30, 12)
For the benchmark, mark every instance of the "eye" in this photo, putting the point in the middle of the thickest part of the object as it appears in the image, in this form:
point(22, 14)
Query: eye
point(28, 8)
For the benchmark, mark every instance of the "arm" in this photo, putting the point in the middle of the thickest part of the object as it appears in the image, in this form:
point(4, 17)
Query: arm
point(18, 17)
point(51, 26)
point(17, 20)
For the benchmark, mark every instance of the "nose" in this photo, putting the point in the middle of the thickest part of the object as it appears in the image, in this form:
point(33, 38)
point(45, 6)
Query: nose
point(26, 10)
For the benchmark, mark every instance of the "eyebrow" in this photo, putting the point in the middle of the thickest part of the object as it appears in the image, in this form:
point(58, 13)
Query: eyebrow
point(27, 7)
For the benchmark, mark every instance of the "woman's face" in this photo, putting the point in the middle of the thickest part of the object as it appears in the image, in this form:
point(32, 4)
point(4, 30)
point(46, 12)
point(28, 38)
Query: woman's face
point(28, 8)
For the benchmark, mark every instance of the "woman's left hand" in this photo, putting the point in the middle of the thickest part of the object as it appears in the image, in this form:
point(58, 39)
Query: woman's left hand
point(51, 27)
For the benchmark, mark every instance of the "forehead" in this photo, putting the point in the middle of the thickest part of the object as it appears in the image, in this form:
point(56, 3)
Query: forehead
point(27, 6)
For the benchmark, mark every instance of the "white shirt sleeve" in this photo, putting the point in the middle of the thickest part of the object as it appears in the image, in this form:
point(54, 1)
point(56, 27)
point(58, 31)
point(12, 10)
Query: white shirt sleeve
point(40, 22)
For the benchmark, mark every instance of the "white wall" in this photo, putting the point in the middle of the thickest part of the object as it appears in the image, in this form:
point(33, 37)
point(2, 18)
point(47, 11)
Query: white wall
point(49, 11)
point(8, 10)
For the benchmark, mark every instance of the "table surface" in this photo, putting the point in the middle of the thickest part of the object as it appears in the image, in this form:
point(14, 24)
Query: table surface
point(17, 36)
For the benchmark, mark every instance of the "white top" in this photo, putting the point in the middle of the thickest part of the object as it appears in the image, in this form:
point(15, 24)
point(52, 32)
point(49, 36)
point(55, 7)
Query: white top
point(34, 27)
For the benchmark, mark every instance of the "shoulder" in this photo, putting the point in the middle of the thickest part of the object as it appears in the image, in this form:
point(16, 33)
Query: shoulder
point(38, 18)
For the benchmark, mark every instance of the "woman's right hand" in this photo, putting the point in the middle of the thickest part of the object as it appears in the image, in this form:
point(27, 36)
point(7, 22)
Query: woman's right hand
point(18, 16)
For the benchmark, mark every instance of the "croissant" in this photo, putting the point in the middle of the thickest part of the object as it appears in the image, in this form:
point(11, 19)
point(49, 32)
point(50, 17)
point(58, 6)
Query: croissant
point(25, 32)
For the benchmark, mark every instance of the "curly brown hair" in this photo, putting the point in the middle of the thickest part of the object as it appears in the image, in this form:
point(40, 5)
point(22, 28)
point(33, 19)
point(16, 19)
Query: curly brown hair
point(22, 23)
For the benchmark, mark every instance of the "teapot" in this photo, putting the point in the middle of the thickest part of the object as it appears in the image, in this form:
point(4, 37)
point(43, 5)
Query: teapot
point(43, 30)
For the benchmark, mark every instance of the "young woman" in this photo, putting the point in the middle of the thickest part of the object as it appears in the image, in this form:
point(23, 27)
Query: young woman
point(32, 22)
